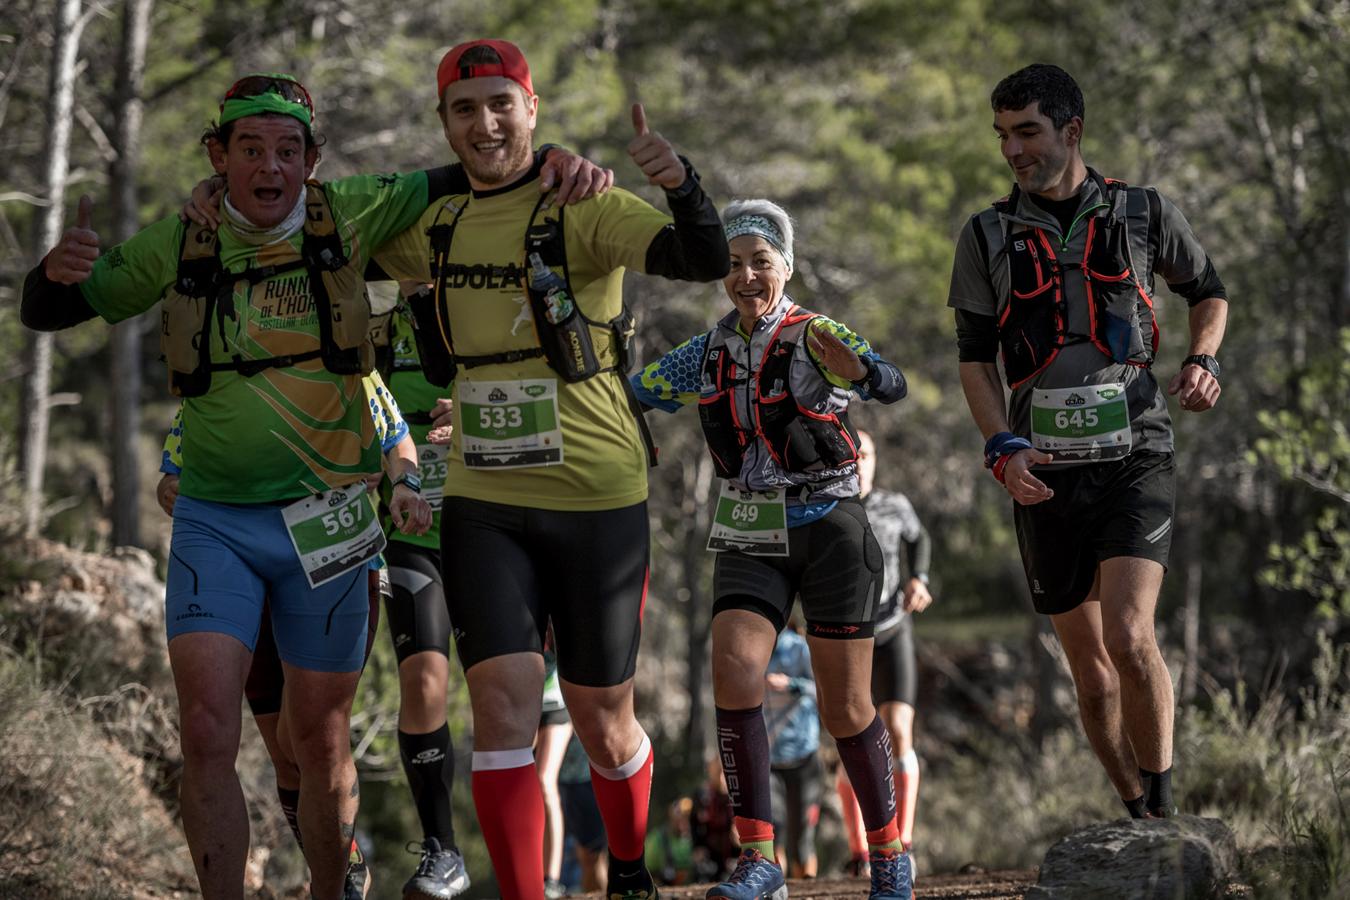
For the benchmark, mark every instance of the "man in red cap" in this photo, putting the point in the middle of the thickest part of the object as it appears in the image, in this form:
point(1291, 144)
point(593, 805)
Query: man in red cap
point(544, 510)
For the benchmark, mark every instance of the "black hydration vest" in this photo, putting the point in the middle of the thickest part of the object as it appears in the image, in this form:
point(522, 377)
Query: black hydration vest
point(202, 292)
point(567, 346)
point(798, 439)
point(1033, 320)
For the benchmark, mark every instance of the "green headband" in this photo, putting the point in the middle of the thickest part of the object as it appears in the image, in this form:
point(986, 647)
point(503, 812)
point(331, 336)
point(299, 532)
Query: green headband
point(239, 107)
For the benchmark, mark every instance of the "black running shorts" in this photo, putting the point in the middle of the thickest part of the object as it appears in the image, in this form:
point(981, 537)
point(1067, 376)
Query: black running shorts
point(893, 670)
point(1099, 511)
point(419, 618)
point(510, 569)
point(834, 564)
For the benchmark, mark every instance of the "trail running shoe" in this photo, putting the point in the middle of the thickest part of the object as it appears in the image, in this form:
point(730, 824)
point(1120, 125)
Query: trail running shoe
point(755, 878)
point(357, 884)
point(636, 885)
point(892, 875)
point(439, 876)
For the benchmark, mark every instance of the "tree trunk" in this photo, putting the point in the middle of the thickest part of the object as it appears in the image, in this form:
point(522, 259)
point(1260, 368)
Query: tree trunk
point(66, 27)
point(698, 481)
point(126, 337)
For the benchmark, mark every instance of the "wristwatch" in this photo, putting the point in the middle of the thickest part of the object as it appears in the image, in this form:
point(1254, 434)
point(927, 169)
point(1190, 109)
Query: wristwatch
point(412, 480)
point(1204, 361)
point(865, 382)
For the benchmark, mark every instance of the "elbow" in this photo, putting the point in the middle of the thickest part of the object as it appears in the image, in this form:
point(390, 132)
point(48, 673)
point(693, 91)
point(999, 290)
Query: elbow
point(718, 264)
point(711, 267)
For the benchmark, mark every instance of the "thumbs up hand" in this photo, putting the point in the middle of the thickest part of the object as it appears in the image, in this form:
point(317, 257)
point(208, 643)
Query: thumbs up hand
point(654, 154)
point(72, 259)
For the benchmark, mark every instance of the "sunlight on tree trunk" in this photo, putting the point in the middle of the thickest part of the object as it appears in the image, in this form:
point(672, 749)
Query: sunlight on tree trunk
point(66, 27)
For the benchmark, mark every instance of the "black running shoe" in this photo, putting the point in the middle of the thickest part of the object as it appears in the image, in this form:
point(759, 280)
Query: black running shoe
point(439, 876)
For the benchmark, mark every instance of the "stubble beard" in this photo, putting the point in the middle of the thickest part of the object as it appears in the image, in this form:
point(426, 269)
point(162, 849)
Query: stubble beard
point(1049, 171)
point(496, 172)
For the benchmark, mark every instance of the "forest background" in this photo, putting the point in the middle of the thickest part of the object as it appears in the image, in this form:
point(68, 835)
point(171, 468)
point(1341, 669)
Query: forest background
point(869, 120)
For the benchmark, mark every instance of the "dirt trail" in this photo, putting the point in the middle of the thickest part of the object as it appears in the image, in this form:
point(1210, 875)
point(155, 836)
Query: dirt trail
point(1003, 885)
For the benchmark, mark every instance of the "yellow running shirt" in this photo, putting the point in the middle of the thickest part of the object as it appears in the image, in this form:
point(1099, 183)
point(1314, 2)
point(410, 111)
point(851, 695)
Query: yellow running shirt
point(604, 464)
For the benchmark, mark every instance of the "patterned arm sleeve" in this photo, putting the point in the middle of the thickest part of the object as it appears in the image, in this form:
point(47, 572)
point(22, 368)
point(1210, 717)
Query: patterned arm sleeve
point(886, 383)
point(171, 460)
point(389, 424)
point(673, 380)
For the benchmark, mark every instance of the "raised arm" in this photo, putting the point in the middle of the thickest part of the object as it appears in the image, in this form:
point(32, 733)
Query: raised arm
point(52, 299)
point(694, 246)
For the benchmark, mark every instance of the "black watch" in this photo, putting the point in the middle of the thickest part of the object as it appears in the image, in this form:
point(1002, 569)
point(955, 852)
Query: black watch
point(865, 382)
point(1204, 361)
point(412, 480)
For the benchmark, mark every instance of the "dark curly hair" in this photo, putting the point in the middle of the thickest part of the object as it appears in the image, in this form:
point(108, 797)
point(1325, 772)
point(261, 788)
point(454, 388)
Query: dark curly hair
point(1050, 86)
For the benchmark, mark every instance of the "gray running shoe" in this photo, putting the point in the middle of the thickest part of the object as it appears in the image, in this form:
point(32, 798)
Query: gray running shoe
point(554, 890)
point(439, 876)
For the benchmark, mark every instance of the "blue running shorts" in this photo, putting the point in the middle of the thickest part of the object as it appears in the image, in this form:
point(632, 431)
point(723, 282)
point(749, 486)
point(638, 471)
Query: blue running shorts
point(224, 559)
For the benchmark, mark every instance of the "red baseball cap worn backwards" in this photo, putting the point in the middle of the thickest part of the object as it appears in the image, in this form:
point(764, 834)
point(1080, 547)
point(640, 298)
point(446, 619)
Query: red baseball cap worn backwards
point(512, 66)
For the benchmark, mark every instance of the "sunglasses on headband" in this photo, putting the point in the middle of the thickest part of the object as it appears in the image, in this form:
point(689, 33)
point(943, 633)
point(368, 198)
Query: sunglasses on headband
point(254, 85)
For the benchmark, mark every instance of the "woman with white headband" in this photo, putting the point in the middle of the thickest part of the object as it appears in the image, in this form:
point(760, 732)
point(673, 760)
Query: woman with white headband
point(773, 383)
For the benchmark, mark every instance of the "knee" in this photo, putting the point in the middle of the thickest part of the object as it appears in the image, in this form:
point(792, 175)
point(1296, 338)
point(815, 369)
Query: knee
point(738, 683)
point(321, 742)
point(1131, 649)
point(208, 735)
point(608, 739)
point(504, 717)
point(848, 717)
point(422, 693)
point(1097, 684)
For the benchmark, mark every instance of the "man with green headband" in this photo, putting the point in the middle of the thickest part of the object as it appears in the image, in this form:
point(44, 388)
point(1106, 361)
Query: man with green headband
point(264, 329)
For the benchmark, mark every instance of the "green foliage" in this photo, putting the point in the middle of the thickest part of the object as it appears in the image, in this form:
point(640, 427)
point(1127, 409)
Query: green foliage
point(1310, 443)
point(1277, 774)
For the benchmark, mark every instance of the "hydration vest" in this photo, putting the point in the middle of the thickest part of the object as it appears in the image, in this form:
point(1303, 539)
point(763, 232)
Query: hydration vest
point(1033, 318)
point(202, 293)
point(798, 439)
point(568, 346)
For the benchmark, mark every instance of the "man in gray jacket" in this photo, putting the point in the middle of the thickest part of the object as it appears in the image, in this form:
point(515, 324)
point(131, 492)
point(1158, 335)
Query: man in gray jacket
point(1059, 277)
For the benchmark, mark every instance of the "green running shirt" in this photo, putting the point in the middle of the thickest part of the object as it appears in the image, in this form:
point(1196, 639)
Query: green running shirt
point(283, 433)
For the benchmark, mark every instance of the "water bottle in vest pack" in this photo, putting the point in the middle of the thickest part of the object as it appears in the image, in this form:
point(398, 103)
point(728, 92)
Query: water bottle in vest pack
point(567, 344)
point(543, 280)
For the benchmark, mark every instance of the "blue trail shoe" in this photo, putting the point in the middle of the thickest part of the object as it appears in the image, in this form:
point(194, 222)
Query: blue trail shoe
point(755, 878)
point(892, 875)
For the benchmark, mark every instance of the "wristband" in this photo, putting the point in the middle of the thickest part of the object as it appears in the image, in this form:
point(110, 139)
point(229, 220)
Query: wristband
point(999, 449)
point(1003, 444)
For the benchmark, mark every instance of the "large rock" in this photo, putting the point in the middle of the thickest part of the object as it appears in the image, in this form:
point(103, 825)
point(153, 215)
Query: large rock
point(115, 599)
point(1140, 859)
